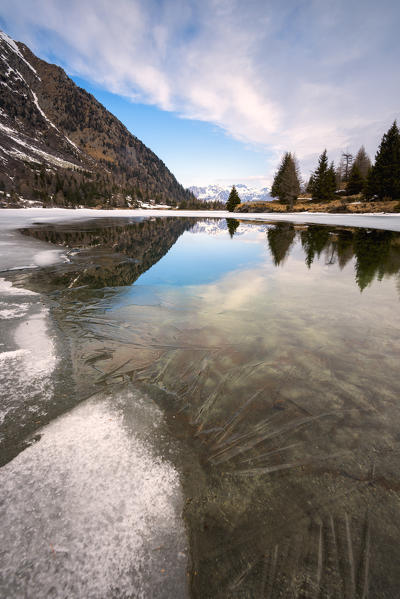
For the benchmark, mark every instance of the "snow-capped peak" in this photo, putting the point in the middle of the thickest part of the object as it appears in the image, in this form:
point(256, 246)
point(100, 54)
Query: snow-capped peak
point(212, 193)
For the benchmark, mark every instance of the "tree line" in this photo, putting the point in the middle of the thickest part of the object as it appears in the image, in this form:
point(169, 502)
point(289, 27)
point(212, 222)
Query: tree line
point(353, 175)
point(375, 253)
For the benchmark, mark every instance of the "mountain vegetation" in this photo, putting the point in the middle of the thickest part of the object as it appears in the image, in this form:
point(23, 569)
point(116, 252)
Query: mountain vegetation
point(60, 146)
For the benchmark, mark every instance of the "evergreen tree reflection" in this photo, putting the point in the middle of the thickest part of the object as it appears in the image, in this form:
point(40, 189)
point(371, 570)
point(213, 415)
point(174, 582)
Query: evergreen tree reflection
point(314, 239)
point(280, 240)
point(375, 253)
point(232, 224)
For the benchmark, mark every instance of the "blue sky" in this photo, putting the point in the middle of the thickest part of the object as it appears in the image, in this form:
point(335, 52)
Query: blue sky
point(197, 152)
point(220, 88)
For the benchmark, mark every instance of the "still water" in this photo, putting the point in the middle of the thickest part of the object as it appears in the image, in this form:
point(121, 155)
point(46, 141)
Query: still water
point(238, 389)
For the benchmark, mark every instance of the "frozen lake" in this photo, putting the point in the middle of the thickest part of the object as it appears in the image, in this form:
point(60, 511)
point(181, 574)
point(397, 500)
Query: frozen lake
point(201, 407)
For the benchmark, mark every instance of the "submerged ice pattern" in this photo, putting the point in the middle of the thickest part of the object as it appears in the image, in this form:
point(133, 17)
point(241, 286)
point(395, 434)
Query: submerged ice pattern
point(284, 373)
point(92, 510)
point(27, 354)
point(278, 375)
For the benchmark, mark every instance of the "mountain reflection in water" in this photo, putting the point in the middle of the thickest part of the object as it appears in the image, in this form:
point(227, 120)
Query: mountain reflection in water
point(115, 254)
point(141, 244)
point(278, 374)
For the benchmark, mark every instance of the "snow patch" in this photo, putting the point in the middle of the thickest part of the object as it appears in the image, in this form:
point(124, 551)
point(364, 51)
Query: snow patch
point(32, 336)
point(13, 46)
point(41, 111)
point(72, 143)
point(7, 288)
point(49, 257)
point(9, 311)
point(12, 134)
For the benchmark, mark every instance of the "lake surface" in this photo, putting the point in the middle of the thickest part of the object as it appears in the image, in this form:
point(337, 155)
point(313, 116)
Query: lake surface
point(204, 408)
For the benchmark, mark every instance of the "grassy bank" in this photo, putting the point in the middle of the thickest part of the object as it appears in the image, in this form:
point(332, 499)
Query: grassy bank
point(350, 205)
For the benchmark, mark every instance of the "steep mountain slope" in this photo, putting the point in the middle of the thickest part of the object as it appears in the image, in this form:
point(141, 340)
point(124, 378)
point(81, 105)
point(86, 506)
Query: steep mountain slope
point(212, 193)
point(59, 145)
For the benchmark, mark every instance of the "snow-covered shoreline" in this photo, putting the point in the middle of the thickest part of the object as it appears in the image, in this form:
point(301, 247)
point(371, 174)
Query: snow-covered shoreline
point(11, 218)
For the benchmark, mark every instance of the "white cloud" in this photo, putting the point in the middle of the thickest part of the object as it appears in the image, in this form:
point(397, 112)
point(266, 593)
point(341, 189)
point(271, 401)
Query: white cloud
point(300, 75)
point(256, 181)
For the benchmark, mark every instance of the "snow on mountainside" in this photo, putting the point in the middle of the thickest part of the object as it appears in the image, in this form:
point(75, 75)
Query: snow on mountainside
point(213, 193)
point(60, 146)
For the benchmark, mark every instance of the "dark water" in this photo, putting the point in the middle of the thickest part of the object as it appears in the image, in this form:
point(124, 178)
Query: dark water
point(274, 352)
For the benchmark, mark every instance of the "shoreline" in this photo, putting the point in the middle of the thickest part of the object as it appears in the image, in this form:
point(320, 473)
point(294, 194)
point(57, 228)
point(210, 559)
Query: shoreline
point(15, 218)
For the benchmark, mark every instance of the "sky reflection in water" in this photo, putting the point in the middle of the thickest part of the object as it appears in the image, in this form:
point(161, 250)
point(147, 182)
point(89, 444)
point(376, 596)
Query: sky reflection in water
point(276, 348)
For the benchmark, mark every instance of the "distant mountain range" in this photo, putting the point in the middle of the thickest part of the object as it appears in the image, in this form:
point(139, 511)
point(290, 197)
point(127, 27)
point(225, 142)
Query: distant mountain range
point(219, 227)
point(220, 193)
point(60, 146)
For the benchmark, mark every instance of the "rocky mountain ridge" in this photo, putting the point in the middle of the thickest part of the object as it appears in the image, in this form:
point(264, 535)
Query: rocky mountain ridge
point(60, 146)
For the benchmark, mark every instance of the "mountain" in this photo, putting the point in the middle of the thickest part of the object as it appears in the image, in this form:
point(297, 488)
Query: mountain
point(60, 146)
point(212, 193)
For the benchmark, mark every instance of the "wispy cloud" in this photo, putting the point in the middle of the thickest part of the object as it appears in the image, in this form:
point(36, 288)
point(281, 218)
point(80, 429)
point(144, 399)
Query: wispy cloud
point(300, 75)
point(256, 181)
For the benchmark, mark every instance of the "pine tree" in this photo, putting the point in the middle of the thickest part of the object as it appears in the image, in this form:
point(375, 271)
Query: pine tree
point(286, 185)
point(369, 184)
point(278, 177)
point(356, 181)
point(310, 184)
point(324, 180)
point(384, 180)
point(332, 177)
point(233, 200)
point(363, 162)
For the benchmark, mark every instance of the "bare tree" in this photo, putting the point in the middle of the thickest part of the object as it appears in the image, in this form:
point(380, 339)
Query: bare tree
point(345, 165)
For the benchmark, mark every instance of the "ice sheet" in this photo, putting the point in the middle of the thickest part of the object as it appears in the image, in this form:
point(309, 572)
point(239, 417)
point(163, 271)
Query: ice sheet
point(12, 218)
point(19, 252)
point(11, 310)
point(28, 359)
point(92, 510)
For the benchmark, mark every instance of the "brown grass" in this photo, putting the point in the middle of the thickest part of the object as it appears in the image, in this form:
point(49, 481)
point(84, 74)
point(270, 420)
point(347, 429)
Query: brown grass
point(339, 205)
